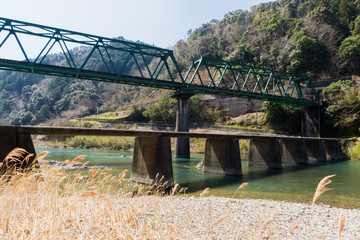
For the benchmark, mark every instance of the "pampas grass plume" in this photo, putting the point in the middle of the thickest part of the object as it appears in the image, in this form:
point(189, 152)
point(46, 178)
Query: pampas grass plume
point(206, 191)
point(321, 188)
point(242, 186)
point(341, 224)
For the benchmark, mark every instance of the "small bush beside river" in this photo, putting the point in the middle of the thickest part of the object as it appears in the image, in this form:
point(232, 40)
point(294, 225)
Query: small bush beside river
point(100, 142)
point(354, 151)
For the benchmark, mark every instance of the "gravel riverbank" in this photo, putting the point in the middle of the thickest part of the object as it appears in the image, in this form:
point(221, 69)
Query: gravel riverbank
point(224, 218)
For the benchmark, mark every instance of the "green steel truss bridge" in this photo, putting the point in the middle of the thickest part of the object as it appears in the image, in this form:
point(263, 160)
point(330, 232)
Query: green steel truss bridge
point(134, 63)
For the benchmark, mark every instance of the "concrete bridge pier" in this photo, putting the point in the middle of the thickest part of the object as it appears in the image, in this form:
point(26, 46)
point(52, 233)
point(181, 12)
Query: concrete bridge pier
point(10, 139)
point(316, 150)
point(222, 156)
point(152, 163)
point(264, 153)
point(332, 149)
point(182, 145)
point(293, 151)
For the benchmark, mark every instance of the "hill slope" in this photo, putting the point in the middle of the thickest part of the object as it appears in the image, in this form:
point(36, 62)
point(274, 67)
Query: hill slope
point(316, 37)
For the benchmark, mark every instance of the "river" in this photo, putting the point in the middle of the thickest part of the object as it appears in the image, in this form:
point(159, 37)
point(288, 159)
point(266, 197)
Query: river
point(292, 183)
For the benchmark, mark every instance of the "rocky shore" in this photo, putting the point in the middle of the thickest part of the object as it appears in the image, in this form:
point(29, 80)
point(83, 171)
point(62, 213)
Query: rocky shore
point(224, 218)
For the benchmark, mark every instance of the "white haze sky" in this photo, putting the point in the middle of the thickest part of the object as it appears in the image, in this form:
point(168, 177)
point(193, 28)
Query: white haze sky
point(158, 22)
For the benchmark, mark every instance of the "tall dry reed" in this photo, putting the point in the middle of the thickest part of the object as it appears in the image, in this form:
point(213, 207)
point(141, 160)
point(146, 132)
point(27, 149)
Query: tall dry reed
point(321, 188)
point(47, 203)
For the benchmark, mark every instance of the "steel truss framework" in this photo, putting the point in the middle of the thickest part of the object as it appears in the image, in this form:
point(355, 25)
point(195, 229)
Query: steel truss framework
point(227, 78)
point(140, 64)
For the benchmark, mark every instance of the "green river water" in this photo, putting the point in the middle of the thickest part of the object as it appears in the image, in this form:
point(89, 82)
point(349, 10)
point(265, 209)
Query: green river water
point(292, 183)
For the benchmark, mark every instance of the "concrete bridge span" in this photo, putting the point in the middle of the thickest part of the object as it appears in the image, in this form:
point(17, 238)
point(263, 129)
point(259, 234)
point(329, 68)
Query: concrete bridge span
point(152, 158)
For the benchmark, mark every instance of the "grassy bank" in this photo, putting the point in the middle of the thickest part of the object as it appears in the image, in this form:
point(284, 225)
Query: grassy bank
point(100, 142)
point(86, 142)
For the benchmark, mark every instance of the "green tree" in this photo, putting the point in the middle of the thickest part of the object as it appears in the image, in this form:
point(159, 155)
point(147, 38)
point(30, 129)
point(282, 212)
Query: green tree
point(356, 27)
point(23, 118)
point(7, 105)
point(164, 111)
point(242, 54)
point(283, 118)
point(199, 113)
point(43, 114)
point(350, 52)
point(309, 55)
point(343, 106)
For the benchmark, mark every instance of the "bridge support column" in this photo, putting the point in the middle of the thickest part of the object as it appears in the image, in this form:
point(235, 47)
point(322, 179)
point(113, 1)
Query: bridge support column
point(332, 149)
point(311, 121)
point(316, 150)
point(222, 156)
point(264, 153)
point(182, 145)
point(10, 139)
point(152, 162)
point(293, 151)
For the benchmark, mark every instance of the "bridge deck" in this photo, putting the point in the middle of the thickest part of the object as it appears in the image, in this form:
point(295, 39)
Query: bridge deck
point(35, 130)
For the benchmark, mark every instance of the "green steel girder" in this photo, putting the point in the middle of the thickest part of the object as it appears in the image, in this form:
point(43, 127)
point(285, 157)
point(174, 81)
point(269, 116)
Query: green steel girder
point(214, 76)
point(107, 50)
point(146, 65)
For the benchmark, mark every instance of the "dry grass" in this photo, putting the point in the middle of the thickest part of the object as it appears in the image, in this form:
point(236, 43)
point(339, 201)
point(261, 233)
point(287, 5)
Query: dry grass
point(17, 159)
point(341, 224)
point(242, 186)
point(321, 188)
point(47, 203)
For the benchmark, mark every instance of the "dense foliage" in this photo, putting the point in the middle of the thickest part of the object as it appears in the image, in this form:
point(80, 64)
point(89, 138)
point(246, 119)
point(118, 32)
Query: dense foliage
point(32, 99)
point(315, 37)
point(343, 106)
point(283, 118)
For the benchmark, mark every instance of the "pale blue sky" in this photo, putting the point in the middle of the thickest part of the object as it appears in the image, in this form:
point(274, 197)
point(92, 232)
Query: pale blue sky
point(159, 22)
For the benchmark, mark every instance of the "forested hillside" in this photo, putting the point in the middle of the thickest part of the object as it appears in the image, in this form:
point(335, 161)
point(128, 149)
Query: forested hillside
point(320, 38)
point(32, 99)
